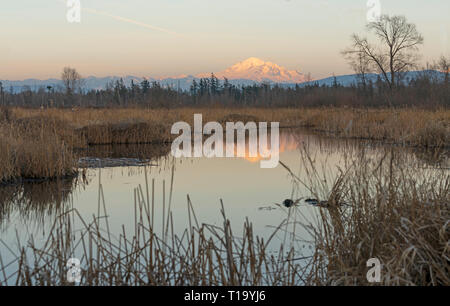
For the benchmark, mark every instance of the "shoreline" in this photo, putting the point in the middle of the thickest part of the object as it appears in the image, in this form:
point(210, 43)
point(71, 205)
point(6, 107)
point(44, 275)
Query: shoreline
point(45, 143)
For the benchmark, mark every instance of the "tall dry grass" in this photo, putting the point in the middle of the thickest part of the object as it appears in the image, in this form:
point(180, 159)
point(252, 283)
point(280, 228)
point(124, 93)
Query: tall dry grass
point(34, 149)
point(392, 211)
point(409, 126)
point(415, 127)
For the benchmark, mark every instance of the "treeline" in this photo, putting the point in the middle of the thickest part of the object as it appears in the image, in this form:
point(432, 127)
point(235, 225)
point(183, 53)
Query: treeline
point(427, 89)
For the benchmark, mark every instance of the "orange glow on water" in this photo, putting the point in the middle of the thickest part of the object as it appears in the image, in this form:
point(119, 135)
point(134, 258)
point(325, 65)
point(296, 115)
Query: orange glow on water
point(288, 142)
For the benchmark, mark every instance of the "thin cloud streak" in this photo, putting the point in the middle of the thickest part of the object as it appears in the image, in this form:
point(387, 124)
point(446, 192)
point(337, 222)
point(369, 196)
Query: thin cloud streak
point(145, 25)
point(127, 20)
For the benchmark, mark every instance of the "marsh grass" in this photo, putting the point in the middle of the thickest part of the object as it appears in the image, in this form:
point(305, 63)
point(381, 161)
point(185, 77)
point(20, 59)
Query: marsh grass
point(406, 126)
point(35, 149)
point(394, 212)
point(412, 127)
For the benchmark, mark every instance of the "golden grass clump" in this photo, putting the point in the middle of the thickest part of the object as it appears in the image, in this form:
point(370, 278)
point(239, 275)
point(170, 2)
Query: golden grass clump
point(413, 127)
point(34, 150)
point(432, 134)
point(392, 213)
point(42, 126)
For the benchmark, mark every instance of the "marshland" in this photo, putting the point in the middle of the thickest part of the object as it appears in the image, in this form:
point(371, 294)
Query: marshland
point(101, 185)
point(91, 194)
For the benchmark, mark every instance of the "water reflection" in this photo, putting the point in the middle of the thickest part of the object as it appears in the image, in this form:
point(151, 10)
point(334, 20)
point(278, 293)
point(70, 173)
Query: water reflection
point(436, 158)
point(34, 202)
point(247, 190)
point(141, 151)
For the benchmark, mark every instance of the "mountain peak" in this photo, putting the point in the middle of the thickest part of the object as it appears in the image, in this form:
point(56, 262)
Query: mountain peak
point(259, 70)
point(253, 61)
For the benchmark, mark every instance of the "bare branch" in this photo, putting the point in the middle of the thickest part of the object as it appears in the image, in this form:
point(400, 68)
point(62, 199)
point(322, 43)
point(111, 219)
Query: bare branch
point(398, 43)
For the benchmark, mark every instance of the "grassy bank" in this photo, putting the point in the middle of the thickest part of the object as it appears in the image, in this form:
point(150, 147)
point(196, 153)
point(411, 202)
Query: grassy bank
point(40, 143)
point(416, 127)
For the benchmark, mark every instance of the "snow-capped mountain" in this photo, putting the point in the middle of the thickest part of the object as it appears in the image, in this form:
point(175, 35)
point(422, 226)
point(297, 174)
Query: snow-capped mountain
point(258, 70)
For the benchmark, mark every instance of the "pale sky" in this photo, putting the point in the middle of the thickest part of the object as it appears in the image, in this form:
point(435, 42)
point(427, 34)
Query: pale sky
point(172, 37)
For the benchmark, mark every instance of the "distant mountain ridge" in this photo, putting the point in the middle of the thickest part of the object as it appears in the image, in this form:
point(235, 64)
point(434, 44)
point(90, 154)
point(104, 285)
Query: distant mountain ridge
point(352, 79)
point(248, 72)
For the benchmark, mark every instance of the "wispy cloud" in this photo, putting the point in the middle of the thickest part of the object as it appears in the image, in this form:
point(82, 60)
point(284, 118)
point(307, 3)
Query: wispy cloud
point(138, 23)
point(127, 20)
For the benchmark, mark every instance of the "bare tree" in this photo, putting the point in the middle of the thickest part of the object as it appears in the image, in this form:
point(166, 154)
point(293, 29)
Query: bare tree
point(71, 79)
point(444, 65)
point(360, 64)
point(396, 51)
